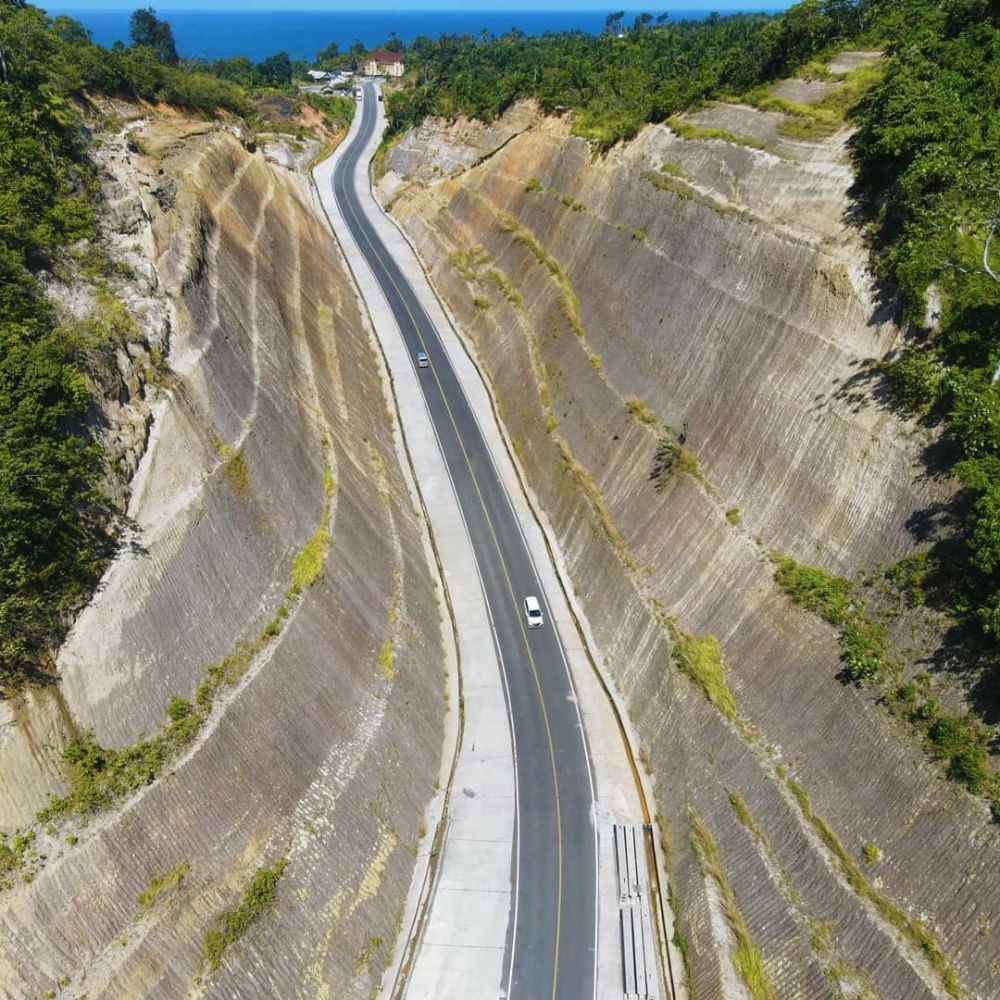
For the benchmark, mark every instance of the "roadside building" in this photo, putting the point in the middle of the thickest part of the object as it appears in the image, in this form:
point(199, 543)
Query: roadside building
point(384, 64)
point(320, 74)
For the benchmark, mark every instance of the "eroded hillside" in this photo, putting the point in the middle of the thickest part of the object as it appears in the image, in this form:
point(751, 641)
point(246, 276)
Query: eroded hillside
point(248, 715)
point(697, 313)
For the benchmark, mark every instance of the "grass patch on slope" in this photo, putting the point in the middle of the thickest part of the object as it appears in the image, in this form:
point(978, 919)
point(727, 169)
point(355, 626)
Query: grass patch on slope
point(258, 896)
point(162, 886)
point(100, 776)
point(912, 930)
point(700, 658)
point(688, 130)
point(825, 116)
point(569, 301)
point(863, 639)
point(746, 957)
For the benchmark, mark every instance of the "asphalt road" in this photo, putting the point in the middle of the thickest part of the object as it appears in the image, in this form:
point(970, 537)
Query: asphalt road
point(551, 944)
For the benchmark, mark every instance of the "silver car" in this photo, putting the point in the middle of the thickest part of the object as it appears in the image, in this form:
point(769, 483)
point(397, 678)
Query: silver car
point(422, 361)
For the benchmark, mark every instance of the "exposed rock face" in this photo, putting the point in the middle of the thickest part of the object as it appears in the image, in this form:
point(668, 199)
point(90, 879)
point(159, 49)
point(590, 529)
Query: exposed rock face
point(327, 749)
point(722, 285)
point(447, 148)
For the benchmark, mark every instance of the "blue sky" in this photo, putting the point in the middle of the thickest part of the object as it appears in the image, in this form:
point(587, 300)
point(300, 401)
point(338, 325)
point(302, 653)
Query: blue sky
point(356, 6)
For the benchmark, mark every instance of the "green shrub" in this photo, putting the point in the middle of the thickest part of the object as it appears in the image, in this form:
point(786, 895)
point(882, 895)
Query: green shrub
point(260, 893)
point(914, 378)
point(871, 853)
point(951, 734)
point(971, 768)
point(912, 576)
point(865, 648)
point(815, 589)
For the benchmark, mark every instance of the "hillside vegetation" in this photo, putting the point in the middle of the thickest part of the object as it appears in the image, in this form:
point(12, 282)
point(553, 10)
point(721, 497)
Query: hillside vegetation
point(55, 517)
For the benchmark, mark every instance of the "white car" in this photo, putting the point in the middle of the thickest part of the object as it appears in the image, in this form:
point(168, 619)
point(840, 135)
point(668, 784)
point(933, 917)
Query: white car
point(533, 612)
point(422, 361)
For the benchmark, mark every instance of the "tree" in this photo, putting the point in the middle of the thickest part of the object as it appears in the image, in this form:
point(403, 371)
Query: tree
point(614, 21)
point(328, 54)
point(276, 70)
point(69, 31)
point(356, 54)
point(147, 30)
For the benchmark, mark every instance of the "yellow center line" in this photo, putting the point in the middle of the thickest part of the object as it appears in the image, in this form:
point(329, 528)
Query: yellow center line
point(510, 588)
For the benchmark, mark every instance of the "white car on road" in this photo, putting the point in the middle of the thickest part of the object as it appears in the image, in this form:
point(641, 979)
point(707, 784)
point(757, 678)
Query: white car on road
point(533, 612)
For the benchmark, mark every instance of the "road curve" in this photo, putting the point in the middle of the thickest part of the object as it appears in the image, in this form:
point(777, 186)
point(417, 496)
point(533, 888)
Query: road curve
point(551, 946)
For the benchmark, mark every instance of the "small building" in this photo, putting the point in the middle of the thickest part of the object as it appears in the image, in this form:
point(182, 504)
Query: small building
point(320, 74)
point(384, 64)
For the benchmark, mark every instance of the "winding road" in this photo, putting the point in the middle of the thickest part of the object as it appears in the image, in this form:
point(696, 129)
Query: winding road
point(551, 940)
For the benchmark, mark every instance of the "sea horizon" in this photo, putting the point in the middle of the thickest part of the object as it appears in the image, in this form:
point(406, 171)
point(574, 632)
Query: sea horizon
point(257, 34)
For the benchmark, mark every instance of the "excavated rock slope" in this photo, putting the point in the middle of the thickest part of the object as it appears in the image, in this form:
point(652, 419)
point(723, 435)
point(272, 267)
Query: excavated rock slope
point(710, 282)
point(326, 751)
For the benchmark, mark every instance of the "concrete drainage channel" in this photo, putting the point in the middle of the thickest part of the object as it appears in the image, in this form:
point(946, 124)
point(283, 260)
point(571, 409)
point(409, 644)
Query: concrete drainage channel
point(640, 958)
point(426, 965)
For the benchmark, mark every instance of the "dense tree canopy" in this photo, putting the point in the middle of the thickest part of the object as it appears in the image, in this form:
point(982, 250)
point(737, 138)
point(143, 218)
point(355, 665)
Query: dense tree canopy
point(614, 83)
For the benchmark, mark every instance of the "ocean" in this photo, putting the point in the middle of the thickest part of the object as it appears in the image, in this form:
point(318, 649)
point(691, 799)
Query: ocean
point(257, 34)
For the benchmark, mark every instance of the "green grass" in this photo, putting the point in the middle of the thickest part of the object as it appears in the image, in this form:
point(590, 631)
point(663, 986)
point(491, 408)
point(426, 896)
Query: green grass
point(234, 468)
point(597, 503)
point(814, 589)
point(744, 815)
point(386, 658)
point(570, 303)
point(367, 954)
point(672, 170)
point(16, 854)
point(100, 776)
point(681, 943)
point(663, 183)
point(863, 639)
point(307, 566)
point(507, 289)
point(746, 957)
point(701, 659)
point(912, 930)
point(162, 886)
point(638, 409)
point(912, 576)
point(687, 130)
point(871, 853)
point(825, 116)
point(733, 516)
point(674, 459)
point(259, 895)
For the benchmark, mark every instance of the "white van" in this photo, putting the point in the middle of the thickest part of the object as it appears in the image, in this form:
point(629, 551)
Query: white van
point(533, 612)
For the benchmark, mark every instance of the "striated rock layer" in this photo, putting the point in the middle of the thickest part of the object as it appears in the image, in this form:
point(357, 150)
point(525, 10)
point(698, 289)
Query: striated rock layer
point(712, 285)
point(327, 749)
